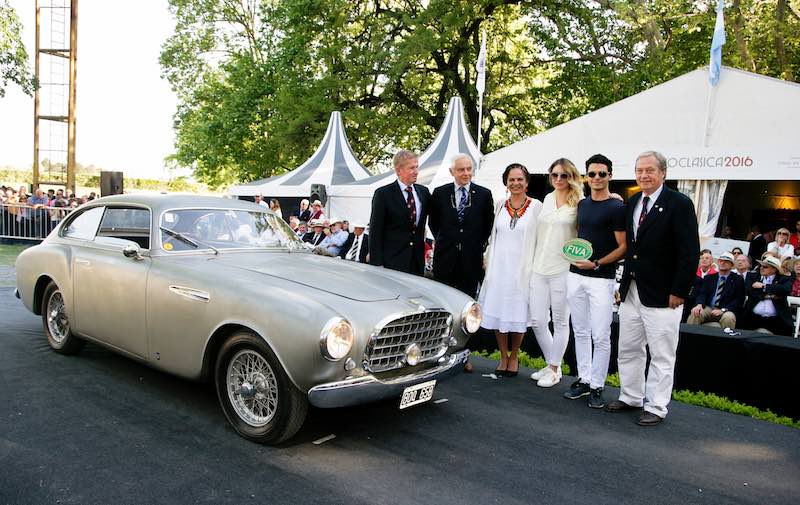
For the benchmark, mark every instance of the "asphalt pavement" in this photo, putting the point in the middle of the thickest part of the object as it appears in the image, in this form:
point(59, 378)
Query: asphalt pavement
point(98, 428)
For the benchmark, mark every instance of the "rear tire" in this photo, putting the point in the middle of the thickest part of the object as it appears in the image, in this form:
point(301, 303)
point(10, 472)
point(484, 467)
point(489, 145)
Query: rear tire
point(56, 323)
point(256, 395)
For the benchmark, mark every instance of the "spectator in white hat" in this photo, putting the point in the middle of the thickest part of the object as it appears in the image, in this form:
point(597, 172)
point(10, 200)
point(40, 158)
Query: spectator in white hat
point(316, 210)
point(720, 297)
point(357, 246)
point(334, 239)
point(316, 235)
point(767, 307)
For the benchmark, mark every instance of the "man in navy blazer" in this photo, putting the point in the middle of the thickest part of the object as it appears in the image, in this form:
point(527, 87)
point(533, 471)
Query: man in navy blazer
point(398, 219)
point(660, 265)
point(720, 297)
point(462, 214)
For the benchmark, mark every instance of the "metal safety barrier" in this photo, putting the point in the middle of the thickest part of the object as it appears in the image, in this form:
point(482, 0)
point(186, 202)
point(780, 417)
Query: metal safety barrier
point(25, 222)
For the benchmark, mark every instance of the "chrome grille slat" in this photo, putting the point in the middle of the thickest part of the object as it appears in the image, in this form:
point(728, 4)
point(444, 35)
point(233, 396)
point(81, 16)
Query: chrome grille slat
point(386, 349)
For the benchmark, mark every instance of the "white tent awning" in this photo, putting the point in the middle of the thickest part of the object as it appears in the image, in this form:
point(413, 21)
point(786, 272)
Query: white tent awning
point(332, 163)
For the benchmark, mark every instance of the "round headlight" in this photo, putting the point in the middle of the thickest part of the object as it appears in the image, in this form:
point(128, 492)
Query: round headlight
point(471, 317)
point(336, 339)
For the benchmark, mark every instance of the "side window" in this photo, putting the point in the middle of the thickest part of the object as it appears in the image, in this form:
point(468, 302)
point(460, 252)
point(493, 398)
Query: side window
point(127, 224)
point(84, 226)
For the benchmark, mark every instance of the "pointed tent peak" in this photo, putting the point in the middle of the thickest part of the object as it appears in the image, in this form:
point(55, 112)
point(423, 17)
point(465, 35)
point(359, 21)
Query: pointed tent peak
point(333, 162)
point(452, 138)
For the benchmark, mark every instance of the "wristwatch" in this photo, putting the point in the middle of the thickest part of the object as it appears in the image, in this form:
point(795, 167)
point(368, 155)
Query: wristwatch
point(596, 264)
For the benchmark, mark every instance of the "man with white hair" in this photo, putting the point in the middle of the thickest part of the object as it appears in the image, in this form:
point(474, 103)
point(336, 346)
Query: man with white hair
point(398, 219)
point(259, 199)
point(660, 262)
point(462, 214)
point(720, 296)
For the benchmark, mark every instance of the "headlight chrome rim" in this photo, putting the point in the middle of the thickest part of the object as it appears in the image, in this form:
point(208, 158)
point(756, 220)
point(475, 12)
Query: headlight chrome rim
point(343, 342)
point(471, 317)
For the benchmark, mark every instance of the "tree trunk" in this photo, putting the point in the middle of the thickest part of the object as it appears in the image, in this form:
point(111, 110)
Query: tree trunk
point(780, 20)
point(738, 34)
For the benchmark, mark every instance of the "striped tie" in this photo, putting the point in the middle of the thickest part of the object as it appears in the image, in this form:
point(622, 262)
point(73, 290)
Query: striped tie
point(719, 291)
point(462, 204)
point(643, 215)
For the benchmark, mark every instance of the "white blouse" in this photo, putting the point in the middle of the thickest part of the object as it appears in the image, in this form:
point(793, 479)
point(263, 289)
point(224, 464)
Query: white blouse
point(555, 226)
point(786, 251)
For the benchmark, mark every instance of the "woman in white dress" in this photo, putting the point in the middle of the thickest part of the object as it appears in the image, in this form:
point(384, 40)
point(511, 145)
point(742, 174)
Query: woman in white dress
point(504, 293)
point(557, 223)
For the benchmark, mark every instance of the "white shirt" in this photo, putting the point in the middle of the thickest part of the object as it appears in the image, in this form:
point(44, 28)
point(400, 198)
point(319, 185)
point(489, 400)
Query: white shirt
point(417, 202)
point(637, 211)
point(765, 308)
point(786, 251)
point(555, 226)
point(263, 204)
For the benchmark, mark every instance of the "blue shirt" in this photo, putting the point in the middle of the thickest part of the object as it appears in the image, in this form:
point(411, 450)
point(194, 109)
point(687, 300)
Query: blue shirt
point(333, 243)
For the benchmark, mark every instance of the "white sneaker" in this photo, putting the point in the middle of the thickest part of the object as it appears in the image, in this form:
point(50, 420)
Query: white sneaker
point(549, 379)
point(538, 374)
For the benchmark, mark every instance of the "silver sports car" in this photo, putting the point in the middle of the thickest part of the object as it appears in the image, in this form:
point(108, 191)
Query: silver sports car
point(209, 288)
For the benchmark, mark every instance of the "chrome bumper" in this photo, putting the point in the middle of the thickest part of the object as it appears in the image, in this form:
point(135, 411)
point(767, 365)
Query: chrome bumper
point(369, 389)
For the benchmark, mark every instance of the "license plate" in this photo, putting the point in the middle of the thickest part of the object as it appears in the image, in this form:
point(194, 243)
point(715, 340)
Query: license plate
point(419, 393)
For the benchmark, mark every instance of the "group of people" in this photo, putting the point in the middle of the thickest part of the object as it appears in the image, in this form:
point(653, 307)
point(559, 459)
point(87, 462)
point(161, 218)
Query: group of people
point(513, 252)
point(730, 293)
point(35, 215)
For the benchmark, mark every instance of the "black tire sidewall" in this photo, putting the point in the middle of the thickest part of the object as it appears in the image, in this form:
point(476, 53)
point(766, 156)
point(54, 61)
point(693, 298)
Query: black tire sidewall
point(274, 429)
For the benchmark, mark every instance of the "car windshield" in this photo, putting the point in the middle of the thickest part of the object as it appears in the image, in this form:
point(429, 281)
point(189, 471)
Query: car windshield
point(219, 229)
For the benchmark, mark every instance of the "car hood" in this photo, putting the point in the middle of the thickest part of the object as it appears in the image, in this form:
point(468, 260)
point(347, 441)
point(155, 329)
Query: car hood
point(348, 279)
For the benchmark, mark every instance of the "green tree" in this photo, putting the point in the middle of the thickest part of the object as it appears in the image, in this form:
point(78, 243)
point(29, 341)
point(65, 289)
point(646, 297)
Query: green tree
point(258, 80)
point(13, 57)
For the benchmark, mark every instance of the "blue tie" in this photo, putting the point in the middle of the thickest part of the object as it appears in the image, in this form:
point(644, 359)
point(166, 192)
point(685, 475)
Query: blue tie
point(462, 204)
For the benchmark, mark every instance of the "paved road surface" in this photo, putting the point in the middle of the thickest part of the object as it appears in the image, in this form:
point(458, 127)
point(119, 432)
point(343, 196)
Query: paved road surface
point(98, 428)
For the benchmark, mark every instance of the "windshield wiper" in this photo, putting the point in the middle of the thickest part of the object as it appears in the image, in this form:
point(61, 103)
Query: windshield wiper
point(186, 240)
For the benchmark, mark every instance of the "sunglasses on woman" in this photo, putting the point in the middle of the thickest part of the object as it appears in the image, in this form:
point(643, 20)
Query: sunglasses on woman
point(559, 175)
point(592, 175)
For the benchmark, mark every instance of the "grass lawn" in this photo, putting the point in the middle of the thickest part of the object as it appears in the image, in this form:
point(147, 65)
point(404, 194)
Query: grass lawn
point(8, 255)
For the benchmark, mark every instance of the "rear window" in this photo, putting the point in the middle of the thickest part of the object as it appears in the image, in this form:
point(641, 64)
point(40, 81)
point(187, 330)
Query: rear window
point(128, 224)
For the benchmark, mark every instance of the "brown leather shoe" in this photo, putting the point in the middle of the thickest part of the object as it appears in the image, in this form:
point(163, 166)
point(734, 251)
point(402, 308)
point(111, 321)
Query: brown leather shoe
point(620, 406)
point(468, 367)
point(648, 419)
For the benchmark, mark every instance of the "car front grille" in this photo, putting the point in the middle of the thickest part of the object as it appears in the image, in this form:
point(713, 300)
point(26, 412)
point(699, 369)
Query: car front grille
point(386, 349)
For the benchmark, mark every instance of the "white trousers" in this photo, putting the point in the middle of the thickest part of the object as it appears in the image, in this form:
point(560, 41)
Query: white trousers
point(658, 329)
point(591, 303)
point(550, 292)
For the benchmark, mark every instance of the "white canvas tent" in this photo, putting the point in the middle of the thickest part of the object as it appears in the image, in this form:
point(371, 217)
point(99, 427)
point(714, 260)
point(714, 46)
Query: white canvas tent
point(745, 128)
point(353, 201)
point(753, 132)
point(332, 163)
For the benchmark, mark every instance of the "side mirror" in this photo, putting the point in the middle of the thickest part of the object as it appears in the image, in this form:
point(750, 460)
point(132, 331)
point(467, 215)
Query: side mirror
point(132, 251)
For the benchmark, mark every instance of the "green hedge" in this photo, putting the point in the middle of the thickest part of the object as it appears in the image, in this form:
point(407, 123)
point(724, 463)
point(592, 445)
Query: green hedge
point(701, 399)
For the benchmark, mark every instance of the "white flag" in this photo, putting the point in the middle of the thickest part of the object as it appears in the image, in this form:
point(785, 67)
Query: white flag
point(481, 66)
point(717, 41)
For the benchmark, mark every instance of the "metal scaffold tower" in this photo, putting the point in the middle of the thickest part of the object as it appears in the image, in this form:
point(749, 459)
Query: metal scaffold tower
point(54, 100)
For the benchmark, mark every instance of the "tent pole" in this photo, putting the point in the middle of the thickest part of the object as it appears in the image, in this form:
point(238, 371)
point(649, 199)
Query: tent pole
point(480, 119)
point(712, 91)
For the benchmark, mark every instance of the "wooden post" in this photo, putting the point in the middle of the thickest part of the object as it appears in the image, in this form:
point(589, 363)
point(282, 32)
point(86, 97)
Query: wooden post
point(73, 63)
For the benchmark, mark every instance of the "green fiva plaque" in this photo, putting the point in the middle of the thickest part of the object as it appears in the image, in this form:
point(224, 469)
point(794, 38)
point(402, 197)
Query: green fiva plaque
point(577, 249)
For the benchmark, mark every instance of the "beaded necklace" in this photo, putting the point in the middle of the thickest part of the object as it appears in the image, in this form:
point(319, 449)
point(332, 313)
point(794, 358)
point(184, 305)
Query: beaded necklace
point(516, 213)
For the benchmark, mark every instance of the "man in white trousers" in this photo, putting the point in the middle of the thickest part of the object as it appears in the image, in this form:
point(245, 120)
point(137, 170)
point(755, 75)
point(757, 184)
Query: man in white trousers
point(590, 283)
point(660, 266)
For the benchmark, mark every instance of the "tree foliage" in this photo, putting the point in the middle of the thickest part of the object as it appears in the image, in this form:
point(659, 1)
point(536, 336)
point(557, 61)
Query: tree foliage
point(13, 57)
point(257, 80)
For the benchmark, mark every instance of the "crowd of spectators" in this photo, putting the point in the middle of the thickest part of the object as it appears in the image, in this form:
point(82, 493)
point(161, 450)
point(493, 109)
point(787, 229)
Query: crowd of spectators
point(35, 215)
point(749, 291)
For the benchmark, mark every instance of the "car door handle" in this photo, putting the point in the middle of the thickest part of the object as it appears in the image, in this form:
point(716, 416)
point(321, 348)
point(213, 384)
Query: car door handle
point(79, 261)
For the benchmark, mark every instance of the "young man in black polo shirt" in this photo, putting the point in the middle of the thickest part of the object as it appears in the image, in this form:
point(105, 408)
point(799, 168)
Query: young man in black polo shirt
point(590, 283)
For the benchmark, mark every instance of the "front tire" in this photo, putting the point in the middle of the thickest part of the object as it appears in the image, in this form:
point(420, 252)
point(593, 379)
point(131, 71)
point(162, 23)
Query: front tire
point(256, 395)
point(56, 323)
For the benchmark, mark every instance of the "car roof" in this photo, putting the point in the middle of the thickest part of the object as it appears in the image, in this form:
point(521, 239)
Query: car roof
point(158, 202)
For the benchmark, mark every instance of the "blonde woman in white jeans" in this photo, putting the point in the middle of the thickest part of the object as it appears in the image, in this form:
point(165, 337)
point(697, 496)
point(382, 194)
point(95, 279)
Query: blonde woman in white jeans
point(557, 223)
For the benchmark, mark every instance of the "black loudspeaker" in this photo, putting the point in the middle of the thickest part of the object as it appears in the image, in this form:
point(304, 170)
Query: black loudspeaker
point(111, 183)
point(318, 192)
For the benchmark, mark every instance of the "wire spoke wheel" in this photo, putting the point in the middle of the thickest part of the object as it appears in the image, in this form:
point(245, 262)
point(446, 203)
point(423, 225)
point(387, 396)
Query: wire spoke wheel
point(57, 321)
point(252, 388)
